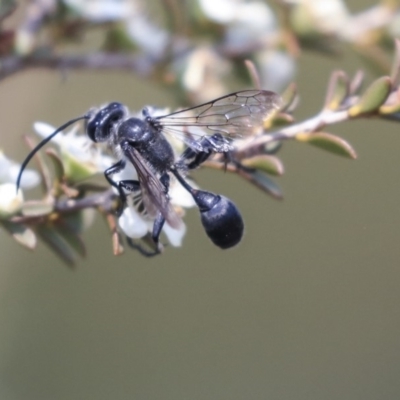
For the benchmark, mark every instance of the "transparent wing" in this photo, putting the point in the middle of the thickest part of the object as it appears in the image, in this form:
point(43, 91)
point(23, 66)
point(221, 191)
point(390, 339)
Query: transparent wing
point(234, 115)
point(153, 192)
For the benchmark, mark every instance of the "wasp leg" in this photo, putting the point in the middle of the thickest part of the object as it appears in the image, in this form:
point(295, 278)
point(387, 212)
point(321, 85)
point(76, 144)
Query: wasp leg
point(202, 149)
point(130, 185)
point(119, 166)
point(141, 249)
point(155, 235)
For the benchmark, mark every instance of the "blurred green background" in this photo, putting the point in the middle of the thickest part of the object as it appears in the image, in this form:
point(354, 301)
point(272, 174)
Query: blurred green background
point(306, 307)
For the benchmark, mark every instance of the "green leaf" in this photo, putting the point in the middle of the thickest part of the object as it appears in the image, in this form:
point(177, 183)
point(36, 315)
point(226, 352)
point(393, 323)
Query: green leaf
point(356, 82)
point(76, 170)
point(71, 237)
point(281, 119)
point(392, 104)
point(57, 163)
point(57, 243)
point(269, 164)
point(338, 90)
point(395, 73)
point(21, 233)
point(374, 96)
point(117, 39)
point(46, 181)
point(329, 142)
point(7, 7)
point(289, 97)
point(272, 147)
point(392, 117)
point(80, 221)
point(263, 182)
point(37, 208)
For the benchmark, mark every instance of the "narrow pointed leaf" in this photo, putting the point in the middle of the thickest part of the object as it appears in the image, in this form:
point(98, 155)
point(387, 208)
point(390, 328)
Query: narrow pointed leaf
point(392, 117)
point(76, 170)
point(288, 97)
point(21, 233)
point(263, 182)
point(272, 147)
point(392, 104)
point(57, 163)
point(37, 208)
point(57, 243)
point(280, 119)
point(43, 168)
point(356, 82)
point(395, 72)
point(338, 90)
point(71, 237)
point(269, 164)
point(80, 221)
point(375, 95)
point(7, 8)
point(329, 142)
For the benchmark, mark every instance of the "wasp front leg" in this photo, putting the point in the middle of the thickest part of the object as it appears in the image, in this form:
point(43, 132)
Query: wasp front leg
point(123, 186)
point(118, 167)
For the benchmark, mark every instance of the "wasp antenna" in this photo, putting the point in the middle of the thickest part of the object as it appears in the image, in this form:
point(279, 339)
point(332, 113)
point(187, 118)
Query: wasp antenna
point(42, 143)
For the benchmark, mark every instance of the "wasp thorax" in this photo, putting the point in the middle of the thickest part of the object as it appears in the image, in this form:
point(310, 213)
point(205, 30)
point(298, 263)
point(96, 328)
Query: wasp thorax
point(100, 127)
point(136, 131)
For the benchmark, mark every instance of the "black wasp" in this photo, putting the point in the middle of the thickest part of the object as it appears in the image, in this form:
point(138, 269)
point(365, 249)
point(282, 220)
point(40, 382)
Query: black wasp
point(205, 129)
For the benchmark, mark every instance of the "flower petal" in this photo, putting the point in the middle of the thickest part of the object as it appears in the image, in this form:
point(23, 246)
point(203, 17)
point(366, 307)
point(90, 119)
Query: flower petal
point(43, 129)
point(10, 201)
point(175, 236)
point(132, 223)
point(9, 171)
point(180, 196)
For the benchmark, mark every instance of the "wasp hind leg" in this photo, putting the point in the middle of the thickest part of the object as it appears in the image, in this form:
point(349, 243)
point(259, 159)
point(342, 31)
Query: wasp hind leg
point(202, 149)
point(118, 167)
point(143, 251)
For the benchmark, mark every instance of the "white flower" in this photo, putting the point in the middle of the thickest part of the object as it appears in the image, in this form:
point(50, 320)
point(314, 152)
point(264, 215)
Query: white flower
point(102, 10)
point(276, 68)
point(132, 223)
point(9, 171)
point(247, 21)
point(330, 16)
point(147, 36)
point(254, 22)
point(10, 200)
point(202, 73)
point(150, 38)
point(175, 236)
point(136, 225)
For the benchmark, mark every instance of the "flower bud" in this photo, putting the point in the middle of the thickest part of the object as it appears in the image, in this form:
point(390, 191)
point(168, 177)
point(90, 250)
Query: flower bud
point(10, 200)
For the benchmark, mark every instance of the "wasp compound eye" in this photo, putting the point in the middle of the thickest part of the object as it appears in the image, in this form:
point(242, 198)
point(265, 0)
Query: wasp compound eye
point(99, 127)
point(220, 218)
